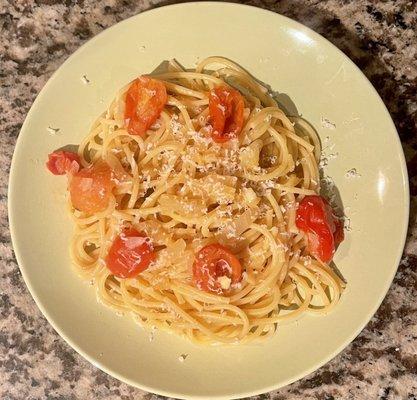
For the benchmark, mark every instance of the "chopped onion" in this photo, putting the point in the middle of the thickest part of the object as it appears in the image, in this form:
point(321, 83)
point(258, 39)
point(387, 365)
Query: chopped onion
point(244, 221)
point(186, 207)
point(249, 155)
point(249, 195)
point(116, 167)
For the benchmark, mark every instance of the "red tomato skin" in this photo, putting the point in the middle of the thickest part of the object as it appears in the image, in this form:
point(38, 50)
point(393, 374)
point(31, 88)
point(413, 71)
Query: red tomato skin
point(226, 108)
point(90, 188)
point(212, 262)
point(339, 234)
point(323, 230)
point(130, 254)
point(60, 162)
point(145, 99)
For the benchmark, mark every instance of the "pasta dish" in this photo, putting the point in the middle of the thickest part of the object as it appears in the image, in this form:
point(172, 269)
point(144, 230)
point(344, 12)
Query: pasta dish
point(196, 207)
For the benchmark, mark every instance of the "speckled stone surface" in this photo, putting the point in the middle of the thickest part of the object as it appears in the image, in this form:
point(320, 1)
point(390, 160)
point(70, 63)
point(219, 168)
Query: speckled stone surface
point(37, 36)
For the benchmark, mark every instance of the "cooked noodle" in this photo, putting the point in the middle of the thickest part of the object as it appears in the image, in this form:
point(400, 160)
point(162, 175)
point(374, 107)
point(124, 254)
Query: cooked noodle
point(185, 191)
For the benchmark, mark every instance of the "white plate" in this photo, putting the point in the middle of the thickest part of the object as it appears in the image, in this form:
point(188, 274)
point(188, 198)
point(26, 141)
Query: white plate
point(322, 83)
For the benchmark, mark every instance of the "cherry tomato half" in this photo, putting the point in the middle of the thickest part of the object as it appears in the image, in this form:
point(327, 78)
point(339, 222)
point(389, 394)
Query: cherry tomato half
point(90, 188)
point(212, 262)
point(324, 231)
point(130, 254)
point(226, 113)
point(145, 99)
point(60, 162)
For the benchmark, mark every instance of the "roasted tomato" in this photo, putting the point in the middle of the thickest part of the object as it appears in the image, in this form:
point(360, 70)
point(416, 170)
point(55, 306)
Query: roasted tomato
point(216, 268)
point(60, 162)
point(226, 113)
point(324, 231)
point(91, 188)
point(130, 254)
point(145, 99)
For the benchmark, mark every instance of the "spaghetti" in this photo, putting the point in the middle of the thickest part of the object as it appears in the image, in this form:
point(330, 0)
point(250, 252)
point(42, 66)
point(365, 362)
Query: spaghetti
point(185, 191)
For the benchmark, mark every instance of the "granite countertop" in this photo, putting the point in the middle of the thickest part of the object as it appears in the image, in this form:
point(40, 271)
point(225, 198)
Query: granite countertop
point(37, 36)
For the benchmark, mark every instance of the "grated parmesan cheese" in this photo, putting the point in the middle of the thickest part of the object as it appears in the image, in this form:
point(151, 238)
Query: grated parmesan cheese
point(52, 131)
point(353, 173)
point(85, 80)
point(224, 282)
point(325, 123)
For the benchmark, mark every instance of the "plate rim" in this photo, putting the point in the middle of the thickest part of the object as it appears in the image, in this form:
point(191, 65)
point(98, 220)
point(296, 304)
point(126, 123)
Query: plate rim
point(236, 394)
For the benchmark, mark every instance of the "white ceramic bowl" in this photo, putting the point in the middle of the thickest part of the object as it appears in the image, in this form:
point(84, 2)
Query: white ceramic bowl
point(323, 84)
